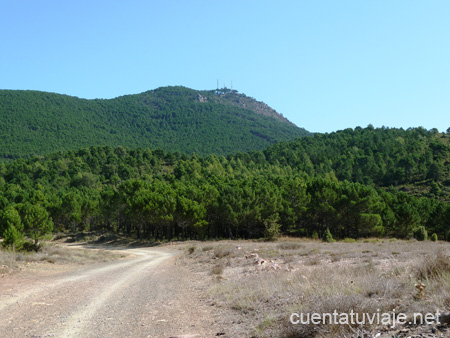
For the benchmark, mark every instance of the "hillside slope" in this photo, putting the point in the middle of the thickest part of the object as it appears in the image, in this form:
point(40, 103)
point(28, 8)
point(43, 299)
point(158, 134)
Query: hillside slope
point(170, 118)
point(416, 160)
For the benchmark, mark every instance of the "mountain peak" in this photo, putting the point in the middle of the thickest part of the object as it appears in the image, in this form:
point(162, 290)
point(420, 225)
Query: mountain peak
point(233, 97)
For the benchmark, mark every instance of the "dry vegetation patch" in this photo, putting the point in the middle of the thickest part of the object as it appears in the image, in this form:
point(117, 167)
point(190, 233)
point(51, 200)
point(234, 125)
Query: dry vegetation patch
point(11, 261)
point(264, 283)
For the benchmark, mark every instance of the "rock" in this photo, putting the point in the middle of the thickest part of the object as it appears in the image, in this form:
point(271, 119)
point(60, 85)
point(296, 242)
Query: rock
point(201, 98)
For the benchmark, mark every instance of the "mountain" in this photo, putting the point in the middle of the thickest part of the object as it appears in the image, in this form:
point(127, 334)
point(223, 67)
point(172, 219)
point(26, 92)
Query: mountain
point(170, 118)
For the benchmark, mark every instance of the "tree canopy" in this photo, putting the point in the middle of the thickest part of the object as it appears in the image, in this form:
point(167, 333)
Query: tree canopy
point(353, 183)
point(171, 118)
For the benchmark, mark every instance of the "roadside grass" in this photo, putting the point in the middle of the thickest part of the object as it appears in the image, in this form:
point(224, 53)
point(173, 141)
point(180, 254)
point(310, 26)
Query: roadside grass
point(54, 254)
point(8, 261)
point(307, 276)
point(100, 238)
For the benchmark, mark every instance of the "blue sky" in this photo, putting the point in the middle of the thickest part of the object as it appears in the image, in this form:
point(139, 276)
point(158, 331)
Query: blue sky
point(325, 65)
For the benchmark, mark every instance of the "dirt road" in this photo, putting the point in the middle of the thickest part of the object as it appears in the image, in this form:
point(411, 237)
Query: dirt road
point(143, 296)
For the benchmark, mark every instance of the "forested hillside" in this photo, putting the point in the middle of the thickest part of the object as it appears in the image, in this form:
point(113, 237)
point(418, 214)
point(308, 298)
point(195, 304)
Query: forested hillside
point(171, 119)
point(415, 160)
point(300, 188)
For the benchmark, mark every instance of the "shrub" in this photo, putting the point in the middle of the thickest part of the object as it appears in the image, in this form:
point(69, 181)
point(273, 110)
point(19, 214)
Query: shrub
point(327, 236)
point(315, 260)
point(335, 257)
point(217, 269)
point(13, 238)
point(421, 234)
point(434, 237)
point(315, 235)
point(30, 247)
point(222, 251)
point(272, 229)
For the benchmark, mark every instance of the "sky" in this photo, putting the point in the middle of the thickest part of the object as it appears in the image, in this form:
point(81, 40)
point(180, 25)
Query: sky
point(325, 65)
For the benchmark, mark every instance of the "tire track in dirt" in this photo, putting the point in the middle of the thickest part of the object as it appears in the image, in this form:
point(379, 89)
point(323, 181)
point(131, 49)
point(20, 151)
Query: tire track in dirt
point(63, 306)
point(42, 286)
point(76, 324)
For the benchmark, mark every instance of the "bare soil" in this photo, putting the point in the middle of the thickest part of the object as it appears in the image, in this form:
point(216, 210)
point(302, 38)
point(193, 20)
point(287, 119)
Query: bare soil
point(145, 295)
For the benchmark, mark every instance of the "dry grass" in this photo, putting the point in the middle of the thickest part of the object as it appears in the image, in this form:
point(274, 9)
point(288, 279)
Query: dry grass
point(8, 260)
point(290, 246)
point(222, 251)
point(314, 260)
point(54, 254)
point(217, 269)
point(311, 276)
point(434, 265)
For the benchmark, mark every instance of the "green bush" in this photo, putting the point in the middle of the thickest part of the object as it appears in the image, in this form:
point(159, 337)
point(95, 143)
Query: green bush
point(327, 236)
point(421, 234)
point(434, 237)
point(13, 238)
point(272, 228)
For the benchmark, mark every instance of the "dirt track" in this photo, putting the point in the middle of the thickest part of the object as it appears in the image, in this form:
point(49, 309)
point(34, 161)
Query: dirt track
point(144, 296)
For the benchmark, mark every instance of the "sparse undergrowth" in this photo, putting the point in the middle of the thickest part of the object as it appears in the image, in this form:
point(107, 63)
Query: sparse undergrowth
point(264, 283)
point(54, 254)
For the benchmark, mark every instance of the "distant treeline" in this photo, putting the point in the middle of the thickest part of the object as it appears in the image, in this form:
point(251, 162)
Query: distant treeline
point(349, 182)
point(381, 156)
